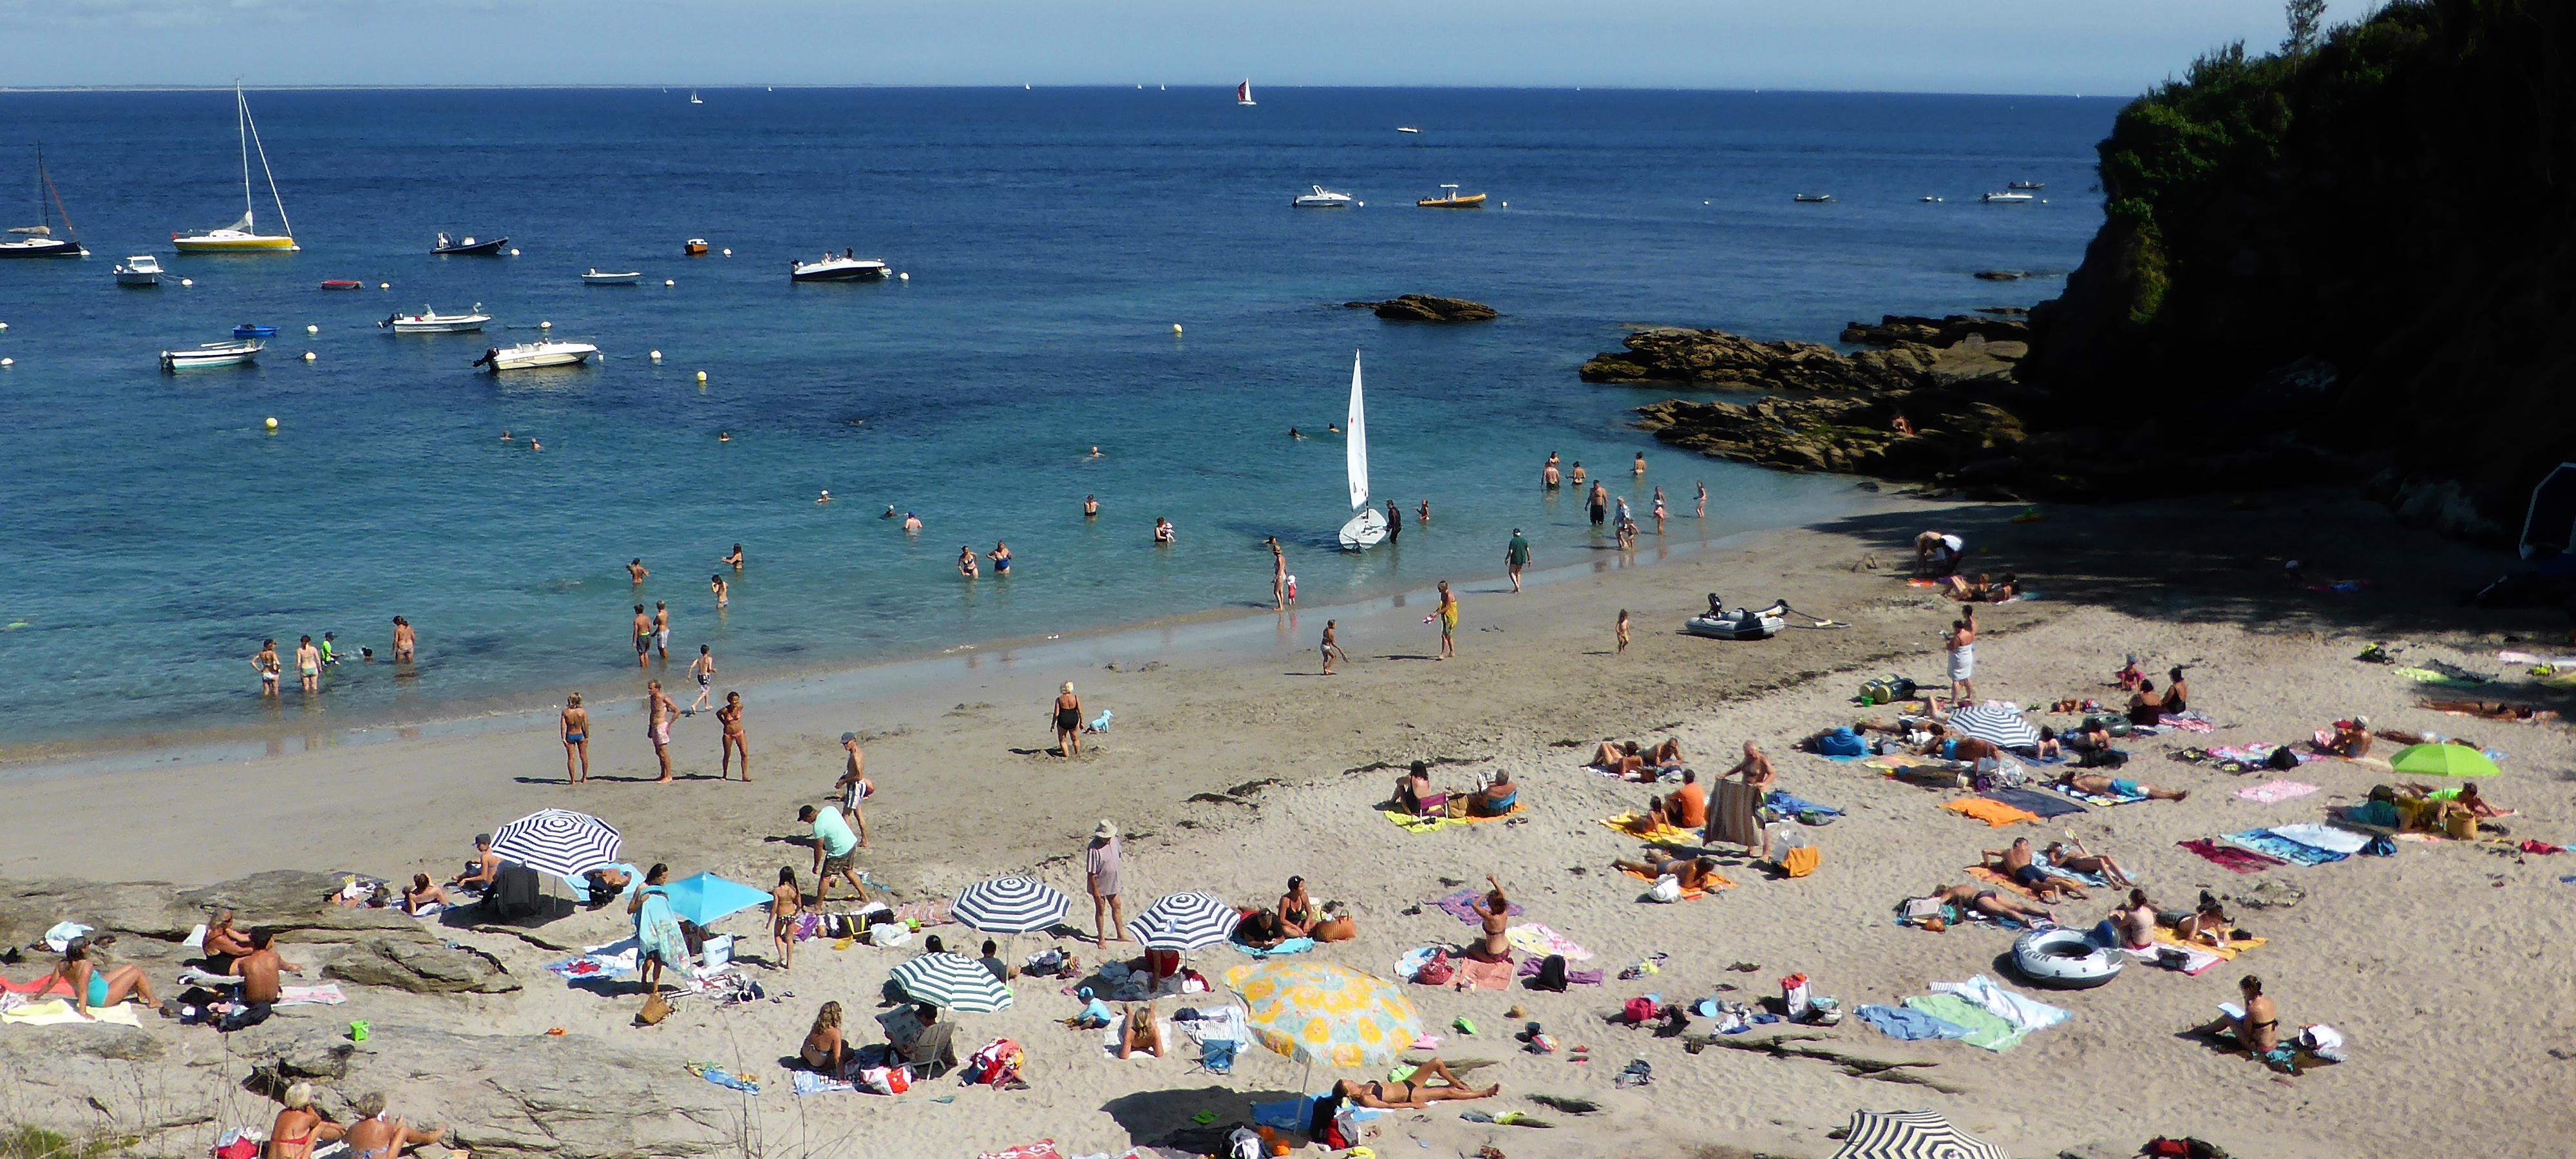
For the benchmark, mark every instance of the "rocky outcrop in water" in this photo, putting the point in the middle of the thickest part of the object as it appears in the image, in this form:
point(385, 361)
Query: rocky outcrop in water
point(1428, 308)
point(1915, 353)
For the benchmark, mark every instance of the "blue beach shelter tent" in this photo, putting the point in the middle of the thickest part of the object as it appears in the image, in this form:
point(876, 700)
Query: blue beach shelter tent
point(705, 898)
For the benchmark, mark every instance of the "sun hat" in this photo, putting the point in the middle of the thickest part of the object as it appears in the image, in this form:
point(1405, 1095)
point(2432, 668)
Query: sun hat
point(1105, 832)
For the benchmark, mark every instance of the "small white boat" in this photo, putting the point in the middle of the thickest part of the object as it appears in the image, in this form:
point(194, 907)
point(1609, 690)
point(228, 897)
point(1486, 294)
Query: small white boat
point(1242, 93)
point(212, 354)
point(430, 321)
point(1929, 199)
point(2026, 186)
point(243, 236)
point(596, 278)
point(1406, 129)
point(139, 270)
point(845, 268)
point(530, 355)
point(1366, 528)
point(1323, 198)
point(693, 97)
point(1812, 198)
point(2010, 198)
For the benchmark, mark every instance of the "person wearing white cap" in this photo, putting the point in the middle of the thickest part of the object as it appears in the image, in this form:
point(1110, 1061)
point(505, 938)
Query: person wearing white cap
point(1100, 867)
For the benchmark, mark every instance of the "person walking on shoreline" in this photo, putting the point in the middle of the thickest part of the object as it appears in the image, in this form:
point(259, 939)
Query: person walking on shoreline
point(1068, 722)
point(704, 668)
point(658, 711)
point(1516, 555)
point(267, 664)
point(662, 630)
point(1623, 632)
point(1333, 647)
point(855, 786)
point(730, 716)
point(1278, 575)
point(1448, 617)
point(573, 727)
point(1701, 510)
point(404, 640)
point(1100, 874)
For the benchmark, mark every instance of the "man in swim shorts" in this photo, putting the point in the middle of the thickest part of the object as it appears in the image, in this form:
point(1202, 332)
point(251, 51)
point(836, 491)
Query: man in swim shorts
point(658, 711)
point(662, 629)
point(643, 637)
point(2017, 863)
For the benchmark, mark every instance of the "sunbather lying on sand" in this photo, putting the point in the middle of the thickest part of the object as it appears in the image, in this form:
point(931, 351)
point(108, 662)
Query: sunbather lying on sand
point(1414, 1094)
point(1964, 749)
point(1138, 1033)
point(2101, 786)
point(2074, 856)
point(2016, 862)
point(2207, 924)
point(1693, 872)
point(1632, 762)
point(2492, 709)
point(1971, 899)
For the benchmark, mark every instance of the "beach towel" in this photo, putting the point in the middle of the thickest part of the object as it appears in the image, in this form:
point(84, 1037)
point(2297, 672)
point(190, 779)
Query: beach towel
point(1518, 808)
point(2439, 680)
point(1715, 881)
point(58, 1012)
point(2230, 858)
point(1534, 938)
point(49, 984)
point(1473, 974)
point(1456, 905)
point(1412, 824)
point(1998, 880)
point(2188, 722)
point(929, 912)
point(1731, 806)
point(806, 1082)
point(609, 961)
point(1893, 762)
point(1213, 1024)
point(2096, 798)
point(2273, 845)
point(2325, 837)
point(1985, 1031)
point(1042, 1149)
point(723, 1078)
point(1109, 1040)
point(2165, 936)
point(2195, 962)
point(2276, 791)
point(1790, 806)
point(1994, 813)
point(1291, 946)
point(2026, 1014)
point(326, 994)
point(1531, 966)
point(2045, 805)
point(1908, 1025)
point(1635, 826)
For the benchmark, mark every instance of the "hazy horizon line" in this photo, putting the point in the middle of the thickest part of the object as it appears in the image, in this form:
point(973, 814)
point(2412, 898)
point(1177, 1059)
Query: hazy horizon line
point(701, 86)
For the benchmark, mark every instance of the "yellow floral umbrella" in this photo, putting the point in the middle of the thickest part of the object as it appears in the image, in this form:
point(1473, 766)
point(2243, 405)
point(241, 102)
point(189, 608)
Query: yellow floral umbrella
point(1314, 1013)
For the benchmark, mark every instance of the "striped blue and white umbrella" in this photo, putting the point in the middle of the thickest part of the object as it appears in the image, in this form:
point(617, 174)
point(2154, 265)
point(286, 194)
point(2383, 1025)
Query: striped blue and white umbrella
point(952, 982)
point(557, 841)
point(1183, 921)
point(1911, 1135)
point(1999, 724)
point(1010, 905)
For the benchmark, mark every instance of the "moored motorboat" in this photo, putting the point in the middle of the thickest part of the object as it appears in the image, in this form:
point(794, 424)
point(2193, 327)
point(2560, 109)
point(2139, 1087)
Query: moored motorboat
point(695, 247)
point(1452, 199)
point(139, 270)
point(1811, 198)
point(1323, 198)
point(2006, 198)
point(212, 354)
point(596, 278)
point(468, 247)
point(531, 355)
point(254, 330)
point(243, 236)
point(845, 268)
point(430, 321)
point(2028, 186)
point(343, 284)
point(1406, 129)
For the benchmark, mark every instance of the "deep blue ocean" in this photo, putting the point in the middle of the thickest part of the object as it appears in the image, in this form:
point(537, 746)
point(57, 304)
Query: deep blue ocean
point(153, 533)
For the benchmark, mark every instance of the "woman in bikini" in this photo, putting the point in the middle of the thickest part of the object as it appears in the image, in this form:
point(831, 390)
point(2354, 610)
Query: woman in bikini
point(966, 563)
point(786, 902)
point(421, 895)
point(824, 1049)
point(2071, 854)
point(374, 1136)
point(1296, 910)
point(1139, 1034)
point(574, 728)
point(1415, 1093)
point(2258, 1029)
point(733, 742)
point(297, 1128)
point(1068, 722)
point(1495, 910)
point(2206, 925)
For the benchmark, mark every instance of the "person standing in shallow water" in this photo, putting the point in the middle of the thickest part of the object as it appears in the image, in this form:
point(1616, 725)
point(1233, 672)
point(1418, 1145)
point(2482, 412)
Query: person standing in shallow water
point(643, 638)
point(1701, 510)
point(1598, 502)
point(1448, 617)
point(1278, 574)
point(1394, 521)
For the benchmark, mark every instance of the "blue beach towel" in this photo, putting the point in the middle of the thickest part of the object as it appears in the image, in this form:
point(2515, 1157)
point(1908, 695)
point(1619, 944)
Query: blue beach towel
point(2271, 844)
point(1790, 805)
point(1908, 1024)
point(2043, 804)
point(1291, 946)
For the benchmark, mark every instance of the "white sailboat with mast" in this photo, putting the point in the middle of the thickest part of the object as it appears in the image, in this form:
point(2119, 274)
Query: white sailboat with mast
point(243, 236)
point(1243, 93)
point(1368, 526)
point(38, 241)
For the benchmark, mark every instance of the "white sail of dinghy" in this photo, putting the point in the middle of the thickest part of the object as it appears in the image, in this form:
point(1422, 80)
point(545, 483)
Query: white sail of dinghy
point(1368, 526)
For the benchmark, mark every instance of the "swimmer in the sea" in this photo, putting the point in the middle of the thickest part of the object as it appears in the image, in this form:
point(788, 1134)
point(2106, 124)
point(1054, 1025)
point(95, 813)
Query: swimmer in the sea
point(911, 523)
point(1090, 507)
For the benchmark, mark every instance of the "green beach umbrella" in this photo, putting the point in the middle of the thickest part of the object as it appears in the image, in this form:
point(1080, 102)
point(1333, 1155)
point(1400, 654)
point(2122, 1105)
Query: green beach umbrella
point(2443, 760)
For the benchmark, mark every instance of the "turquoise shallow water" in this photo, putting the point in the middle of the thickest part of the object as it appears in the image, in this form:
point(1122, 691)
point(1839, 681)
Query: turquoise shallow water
point(155, 534)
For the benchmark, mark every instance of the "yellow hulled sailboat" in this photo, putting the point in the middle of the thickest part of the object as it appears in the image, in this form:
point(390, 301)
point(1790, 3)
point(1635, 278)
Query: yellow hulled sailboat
point(243, 236)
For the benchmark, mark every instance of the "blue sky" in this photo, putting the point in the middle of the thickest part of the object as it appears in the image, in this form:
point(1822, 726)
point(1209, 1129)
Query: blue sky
point(2098, 47)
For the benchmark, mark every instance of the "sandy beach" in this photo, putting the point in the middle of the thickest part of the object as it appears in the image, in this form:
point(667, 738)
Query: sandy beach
point(1233, 764)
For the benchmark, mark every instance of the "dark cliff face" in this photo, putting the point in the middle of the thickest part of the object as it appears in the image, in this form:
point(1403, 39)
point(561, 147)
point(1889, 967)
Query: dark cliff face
point(2371, 245)
point(2369, 249)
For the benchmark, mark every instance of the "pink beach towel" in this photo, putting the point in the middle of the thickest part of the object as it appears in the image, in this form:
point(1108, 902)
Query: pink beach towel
point(2231, 858)
point(2275, 792)
point(1484, 975)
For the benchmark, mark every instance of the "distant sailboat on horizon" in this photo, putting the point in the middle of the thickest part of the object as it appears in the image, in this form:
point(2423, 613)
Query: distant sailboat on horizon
point(1367, 527)
point(693, 97)
point(1243, 93)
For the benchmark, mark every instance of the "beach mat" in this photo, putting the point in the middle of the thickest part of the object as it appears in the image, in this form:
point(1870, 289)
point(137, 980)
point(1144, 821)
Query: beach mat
point(58, 1012)
point(2275, 791)
point(2102, 799)
point(2231, 858)
point(1455, 905)
point(2277, 847)
point(1718, 881)
point(1476, 975)
point(1994, 813)
point(2045, 805)
point(1635, 826)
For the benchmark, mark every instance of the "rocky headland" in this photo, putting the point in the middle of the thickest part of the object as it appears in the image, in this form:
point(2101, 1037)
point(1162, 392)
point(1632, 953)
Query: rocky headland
point(1428, 308)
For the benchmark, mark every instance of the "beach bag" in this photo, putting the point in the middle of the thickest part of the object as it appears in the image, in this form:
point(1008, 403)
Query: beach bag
point(1438, 971)
point(1667, 888)
point(1243, 1144)
point(997, 1065)
point(886, 1080)
point(1639, 1011)
point(2283, 758)
point(1551, 974)
point(1841, 742)
point(655, 1010)
point(2321, 1040)
point(1801, 861)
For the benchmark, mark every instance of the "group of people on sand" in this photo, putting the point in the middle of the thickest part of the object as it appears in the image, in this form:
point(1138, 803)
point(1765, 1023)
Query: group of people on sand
point(238, 980)
point(651, 633)
point(1497, 796)
point(313, 658)
point(372, 1132)
point(1296, 916)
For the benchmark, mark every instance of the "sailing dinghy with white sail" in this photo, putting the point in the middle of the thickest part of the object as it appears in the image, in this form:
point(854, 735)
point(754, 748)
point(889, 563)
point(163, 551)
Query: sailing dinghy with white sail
point(1368, 527)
